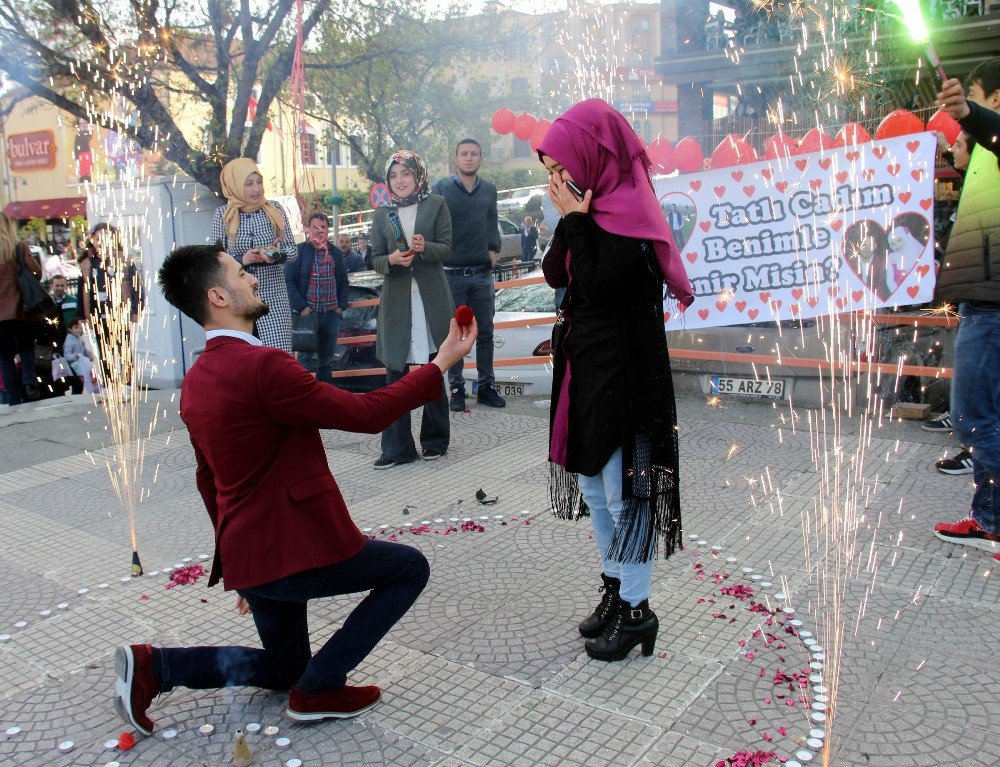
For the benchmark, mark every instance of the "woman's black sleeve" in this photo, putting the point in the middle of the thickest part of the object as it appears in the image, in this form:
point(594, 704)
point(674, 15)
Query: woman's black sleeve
point(608, 268)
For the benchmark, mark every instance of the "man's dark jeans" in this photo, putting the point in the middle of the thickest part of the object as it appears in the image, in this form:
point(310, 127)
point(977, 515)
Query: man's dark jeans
point(17, 339)
point(476, 292)
point(435, 429)
point(327, 331)
point(395, 574)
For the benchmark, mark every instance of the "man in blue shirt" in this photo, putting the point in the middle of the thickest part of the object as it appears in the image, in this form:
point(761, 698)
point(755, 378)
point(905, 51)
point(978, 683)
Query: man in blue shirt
point(475, 250)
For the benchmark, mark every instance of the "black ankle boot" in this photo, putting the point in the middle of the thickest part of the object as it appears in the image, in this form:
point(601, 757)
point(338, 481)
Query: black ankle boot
point(628, 627)
point(594, 625)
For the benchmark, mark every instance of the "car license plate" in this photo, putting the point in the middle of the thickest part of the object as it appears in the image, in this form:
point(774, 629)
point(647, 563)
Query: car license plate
point(749, 387)
point(509, 390)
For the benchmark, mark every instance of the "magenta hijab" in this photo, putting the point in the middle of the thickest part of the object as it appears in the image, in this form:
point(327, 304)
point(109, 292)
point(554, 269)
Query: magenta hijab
point(602, 153)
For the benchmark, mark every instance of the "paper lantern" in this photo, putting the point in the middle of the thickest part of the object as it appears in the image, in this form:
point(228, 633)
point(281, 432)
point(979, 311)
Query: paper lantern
point(661, 154)
point(538, 134)
point(943, 122)
point(852, 133)
point(780, 146)
point(899, 123)
point(688, 157)
point(503, 121)
point(732, 150)
point(815, 140)
point(524, 124)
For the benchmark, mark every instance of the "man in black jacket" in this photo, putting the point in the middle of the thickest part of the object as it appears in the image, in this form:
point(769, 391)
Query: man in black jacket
point(475, 250)
point(970, 277)
point(317, 284)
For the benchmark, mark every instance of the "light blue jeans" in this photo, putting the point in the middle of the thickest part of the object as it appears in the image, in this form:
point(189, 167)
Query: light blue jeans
point(603, 494)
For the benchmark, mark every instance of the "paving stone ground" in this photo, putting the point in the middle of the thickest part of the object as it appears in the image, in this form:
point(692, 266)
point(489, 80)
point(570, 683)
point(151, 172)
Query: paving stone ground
point(488, 668)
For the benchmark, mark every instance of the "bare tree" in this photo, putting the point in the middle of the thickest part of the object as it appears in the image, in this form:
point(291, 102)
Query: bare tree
point(148, 55)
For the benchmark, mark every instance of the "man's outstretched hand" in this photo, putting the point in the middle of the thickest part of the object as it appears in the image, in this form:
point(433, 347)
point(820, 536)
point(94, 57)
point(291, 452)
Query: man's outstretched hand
point(458, 344)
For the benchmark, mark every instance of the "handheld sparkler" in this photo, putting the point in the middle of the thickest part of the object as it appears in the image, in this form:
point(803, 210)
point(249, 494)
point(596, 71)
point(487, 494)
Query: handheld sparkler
point(913, 18)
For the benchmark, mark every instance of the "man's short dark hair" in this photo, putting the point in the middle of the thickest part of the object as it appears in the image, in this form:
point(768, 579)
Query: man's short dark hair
point(58, 277)
point(73, 323)
point(187, 275)
point(464, 141)
point(318, 214)
point(987, 75)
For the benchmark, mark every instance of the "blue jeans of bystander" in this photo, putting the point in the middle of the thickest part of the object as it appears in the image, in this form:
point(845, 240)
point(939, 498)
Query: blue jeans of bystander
point(975, 405)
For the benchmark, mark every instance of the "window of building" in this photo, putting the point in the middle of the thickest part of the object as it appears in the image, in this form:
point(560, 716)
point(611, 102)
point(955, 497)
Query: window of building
point(307, 147)
point(640, 25)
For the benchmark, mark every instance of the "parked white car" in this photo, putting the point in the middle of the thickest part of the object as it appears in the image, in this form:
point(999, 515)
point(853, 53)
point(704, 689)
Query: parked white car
point(518, 199)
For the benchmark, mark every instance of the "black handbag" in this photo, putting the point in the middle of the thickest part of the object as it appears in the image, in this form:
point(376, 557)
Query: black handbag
point(38, 304)
point(304, 333)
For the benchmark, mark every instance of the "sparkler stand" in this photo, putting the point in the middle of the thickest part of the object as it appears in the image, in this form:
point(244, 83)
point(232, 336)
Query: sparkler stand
point(136, 564)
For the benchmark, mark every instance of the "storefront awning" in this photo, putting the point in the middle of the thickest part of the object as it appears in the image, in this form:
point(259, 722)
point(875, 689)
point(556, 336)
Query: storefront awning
point(61, 207)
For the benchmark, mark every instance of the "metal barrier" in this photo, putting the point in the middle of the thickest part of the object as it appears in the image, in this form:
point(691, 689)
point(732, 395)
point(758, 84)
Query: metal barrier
point(912, 320)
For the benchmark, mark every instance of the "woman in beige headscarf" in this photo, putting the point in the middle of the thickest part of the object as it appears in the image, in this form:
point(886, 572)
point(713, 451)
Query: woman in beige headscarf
point(255, 232)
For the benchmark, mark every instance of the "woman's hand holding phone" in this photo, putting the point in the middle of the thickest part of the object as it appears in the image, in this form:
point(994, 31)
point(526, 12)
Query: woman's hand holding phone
point(567, 197)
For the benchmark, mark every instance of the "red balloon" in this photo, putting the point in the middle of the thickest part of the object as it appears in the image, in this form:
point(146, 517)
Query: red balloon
point(688, 157)
point(503, 121)
point(946, 124)
point(538, 134)
point(732, 150)
point(661, 154)
point(780, 146)
point(899, 123)
point(524, 124)
point(815, 140)
point(852, 133)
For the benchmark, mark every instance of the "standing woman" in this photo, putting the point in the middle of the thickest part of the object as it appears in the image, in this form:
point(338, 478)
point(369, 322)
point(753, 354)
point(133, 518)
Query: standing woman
point(17, 332)
point(416, 305)
point(255, 232)
point(613, 424)
point(111, 296)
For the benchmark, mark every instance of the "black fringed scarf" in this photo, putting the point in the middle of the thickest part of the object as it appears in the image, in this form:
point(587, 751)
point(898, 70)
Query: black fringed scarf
point(651, 521)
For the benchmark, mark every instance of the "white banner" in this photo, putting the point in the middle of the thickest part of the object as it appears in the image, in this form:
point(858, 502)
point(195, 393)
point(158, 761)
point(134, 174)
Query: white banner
point(841, 230)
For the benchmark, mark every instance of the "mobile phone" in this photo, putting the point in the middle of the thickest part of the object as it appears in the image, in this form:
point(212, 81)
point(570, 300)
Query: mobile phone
point(577, 192)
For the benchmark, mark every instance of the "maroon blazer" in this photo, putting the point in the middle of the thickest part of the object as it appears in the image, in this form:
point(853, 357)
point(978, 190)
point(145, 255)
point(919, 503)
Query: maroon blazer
point(253, 415)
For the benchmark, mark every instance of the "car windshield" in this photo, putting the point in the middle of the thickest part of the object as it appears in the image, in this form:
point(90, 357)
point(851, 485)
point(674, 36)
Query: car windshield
point(527, 298)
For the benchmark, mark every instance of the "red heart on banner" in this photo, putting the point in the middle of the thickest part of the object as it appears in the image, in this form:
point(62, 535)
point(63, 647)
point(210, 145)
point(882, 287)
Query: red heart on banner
point(749, 190)
point(893, 169)
point(720, 305)
point(816, 183)
point(926, 204)
point(719, 190)
point(691, 256)
point(695, 186)
point(801, 164)
point(766, 173)
point(879, 151)
point(765, 297)
point(705, 225)
point(752, 314)
point(842, 177)
point(857, 295)
point(737, 175)
point(775, 305)
point(833, 290)
point(825, 163)
point(922, 270)
point(868, 174)
point(797, 294)
point(835, 225)
point(703, 313)
point(842, 302)
point(740, 306)
point(904, 197)
point(917, 174)
point(794, 309)
point(912, 146)
point(666, 316)
point(913, 291)
point(812, 301)
point(781, 186)
point(852, 156)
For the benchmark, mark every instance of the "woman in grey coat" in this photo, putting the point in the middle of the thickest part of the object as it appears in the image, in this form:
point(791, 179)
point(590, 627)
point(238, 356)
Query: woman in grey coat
point(409, 240)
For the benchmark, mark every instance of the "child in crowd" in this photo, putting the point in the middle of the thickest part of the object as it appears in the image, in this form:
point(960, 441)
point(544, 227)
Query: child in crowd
point(79, 357)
